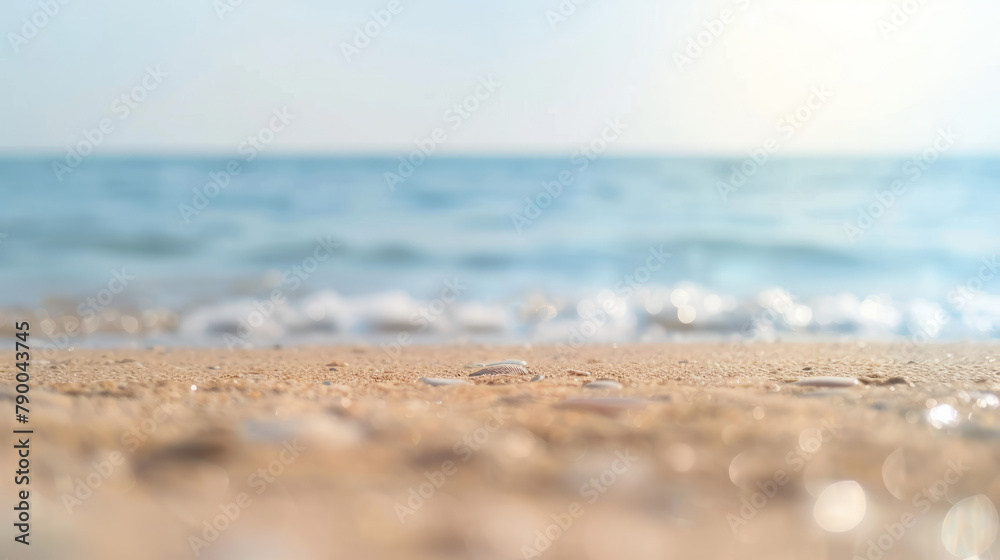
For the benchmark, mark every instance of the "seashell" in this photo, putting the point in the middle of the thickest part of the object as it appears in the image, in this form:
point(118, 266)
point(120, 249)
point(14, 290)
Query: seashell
point(578, 372)
point(603, 384)
point(435, 382)
point(826, 381)
point(825, 393)
point(501, 369)
point(503, 363)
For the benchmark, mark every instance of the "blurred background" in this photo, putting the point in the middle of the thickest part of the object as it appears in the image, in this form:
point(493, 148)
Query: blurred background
point(239, 174)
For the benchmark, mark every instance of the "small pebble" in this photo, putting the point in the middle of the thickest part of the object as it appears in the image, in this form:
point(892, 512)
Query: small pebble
point(500, 369)
point(827, 381)
point(824, 393)
point(213, 367)
point(603, 404)
point(327, 382)
point(335, 363)
point(442, 382)
point(603, 384)
point(538, 377)
point(578, 372)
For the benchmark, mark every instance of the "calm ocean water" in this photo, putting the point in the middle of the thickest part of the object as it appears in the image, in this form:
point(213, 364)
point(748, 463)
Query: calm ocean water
point(468, 248)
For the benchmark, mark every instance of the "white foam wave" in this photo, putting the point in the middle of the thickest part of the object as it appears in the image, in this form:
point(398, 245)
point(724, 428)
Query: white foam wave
point(650, 313)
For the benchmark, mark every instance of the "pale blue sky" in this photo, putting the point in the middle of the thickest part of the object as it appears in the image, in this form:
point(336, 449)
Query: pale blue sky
point(607, 60)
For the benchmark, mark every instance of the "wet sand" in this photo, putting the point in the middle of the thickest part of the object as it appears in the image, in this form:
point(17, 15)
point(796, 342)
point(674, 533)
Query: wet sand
point(706, 451)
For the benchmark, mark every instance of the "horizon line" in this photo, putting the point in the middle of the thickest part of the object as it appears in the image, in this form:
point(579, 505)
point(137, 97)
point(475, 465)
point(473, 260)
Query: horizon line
point(389, 155)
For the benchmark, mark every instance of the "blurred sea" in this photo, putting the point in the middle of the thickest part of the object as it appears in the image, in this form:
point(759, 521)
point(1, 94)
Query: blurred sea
point(439, 257)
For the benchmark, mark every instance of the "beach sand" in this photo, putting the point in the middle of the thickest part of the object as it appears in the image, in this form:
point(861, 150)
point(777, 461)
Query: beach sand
point(706, 451)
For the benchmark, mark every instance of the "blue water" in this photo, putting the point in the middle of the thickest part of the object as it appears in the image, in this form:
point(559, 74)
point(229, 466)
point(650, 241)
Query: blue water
point(452, 219)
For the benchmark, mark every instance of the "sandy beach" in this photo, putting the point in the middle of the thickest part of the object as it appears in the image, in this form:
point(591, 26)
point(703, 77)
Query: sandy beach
point(705, 451)
point(550, 280)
